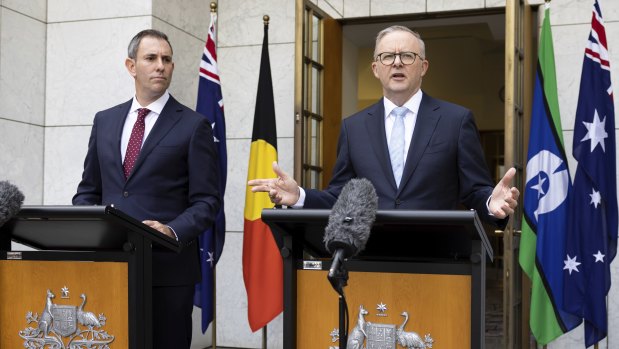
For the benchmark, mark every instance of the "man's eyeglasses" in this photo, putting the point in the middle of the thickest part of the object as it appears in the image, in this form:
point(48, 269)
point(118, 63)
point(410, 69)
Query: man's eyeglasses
point(388, 58)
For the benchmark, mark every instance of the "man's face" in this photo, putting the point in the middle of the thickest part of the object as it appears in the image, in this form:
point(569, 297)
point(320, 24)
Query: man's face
point(399, 81)
point(152, 69)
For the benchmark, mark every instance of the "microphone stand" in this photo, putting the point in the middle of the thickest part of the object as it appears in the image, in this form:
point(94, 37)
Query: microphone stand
point(338, 277)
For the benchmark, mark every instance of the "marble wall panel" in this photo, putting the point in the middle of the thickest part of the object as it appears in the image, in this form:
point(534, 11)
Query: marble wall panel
point(275, 333)
point(332, 8)
point(569, 54)
point(22, 67)
point(240, 23)
point(232, 325)
point(356, 8)
point(495, 3)
point(86, 68)
point(21, 158)
point(613, 304)
point(572, 339)
point(65, 150)
point(200, 340)
point(612, 34)
point(83, 10)
point(337, 5)
point(570, 12)
point(234, 200)
point(36, 9)
point(190, 16)
point(187, 55)
point(451, 5)
point(239, 70)
point(396, 7)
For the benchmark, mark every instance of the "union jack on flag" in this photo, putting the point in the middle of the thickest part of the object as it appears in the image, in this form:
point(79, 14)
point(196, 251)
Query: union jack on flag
point(210, 104)
point(592, 234)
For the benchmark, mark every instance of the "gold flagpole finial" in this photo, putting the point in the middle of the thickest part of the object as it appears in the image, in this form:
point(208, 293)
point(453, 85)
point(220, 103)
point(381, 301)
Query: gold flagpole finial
point(213, 6)
point(266, 18)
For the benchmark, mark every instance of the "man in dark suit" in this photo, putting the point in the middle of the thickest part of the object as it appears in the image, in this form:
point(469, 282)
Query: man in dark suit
point(154, 159)
point(419, 152)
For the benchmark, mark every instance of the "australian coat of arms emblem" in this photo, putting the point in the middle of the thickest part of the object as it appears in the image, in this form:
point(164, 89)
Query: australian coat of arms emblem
point(65, 327)
point(367, 335)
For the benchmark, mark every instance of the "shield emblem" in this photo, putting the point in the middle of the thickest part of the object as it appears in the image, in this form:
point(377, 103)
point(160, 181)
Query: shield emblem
point(65, 319)
point(380, 336)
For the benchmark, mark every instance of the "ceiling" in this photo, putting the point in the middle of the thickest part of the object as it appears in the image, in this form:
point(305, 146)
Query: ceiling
point(485, 27)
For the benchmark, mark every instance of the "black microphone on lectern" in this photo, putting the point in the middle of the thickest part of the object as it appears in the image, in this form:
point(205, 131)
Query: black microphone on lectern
point(350, 221)
point(11, 200)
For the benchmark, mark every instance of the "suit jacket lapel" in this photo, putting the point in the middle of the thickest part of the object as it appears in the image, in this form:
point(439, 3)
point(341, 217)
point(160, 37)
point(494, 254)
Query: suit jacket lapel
point(123, 112)
point(169, 116)
point(375, 127)
point(427, 119)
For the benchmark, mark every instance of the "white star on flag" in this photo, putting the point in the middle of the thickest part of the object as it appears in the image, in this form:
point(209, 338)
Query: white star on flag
point(214, 138)
point(571, 264)
point(596, 198)
point(596, 132)
point(599, 257)
point(210, 258)
point(538, 186)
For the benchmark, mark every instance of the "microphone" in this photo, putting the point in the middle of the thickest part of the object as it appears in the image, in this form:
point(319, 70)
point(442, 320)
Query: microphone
point(350, 221)
point(11, 200)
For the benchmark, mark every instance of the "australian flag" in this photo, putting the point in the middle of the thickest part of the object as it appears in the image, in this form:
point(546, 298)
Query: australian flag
point(592, 237)
point(210, 104)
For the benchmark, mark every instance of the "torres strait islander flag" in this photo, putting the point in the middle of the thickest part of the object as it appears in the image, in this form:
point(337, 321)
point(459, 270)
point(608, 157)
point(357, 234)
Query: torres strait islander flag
point(546, 202)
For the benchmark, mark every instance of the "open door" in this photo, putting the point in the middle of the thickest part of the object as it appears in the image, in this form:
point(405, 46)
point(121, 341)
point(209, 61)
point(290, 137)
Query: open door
point(318, 95)
point(493, 79)
point(519, 55)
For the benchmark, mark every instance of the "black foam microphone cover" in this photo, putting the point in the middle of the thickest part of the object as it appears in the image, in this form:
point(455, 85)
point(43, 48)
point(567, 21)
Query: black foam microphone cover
point(11, 200)
point(351, 218)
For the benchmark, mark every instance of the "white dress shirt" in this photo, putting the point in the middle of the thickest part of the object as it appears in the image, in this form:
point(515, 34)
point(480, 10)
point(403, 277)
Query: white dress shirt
point(409, 125)
point(155, 110)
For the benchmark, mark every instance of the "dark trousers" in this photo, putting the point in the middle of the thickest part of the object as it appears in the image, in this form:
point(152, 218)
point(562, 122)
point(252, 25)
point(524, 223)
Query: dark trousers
point(172, 308)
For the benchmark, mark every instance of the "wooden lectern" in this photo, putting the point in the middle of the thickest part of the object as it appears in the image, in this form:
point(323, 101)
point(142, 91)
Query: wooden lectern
point(421, 274)
point(87, 284)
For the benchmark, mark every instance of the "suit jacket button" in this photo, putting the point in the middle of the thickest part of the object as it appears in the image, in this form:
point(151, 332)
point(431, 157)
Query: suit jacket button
point(398, 202)
point(126, 194)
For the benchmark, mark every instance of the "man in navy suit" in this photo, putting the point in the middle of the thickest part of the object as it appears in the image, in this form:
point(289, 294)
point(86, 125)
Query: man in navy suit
point(441, 164)
point(154, 159)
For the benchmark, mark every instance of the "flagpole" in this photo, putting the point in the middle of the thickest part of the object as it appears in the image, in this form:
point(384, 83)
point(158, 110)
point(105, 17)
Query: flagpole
point(214, 322)
point(265, 19)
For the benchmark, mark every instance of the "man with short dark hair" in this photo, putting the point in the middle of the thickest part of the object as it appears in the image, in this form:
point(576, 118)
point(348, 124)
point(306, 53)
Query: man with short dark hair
point(154, 159)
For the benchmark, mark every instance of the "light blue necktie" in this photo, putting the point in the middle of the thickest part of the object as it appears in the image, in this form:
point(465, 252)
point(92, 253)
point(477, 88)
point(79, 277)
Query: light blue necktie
point(396, 143)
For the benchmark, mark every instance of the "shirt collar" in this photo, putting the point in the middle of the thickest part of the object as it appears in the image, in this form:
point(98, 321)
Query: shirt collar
point(155, 107)
point(412, 104)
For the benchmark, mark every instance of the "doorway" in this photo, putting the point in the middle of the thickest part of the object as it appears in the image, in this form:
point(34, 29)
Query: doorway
point(467, 64)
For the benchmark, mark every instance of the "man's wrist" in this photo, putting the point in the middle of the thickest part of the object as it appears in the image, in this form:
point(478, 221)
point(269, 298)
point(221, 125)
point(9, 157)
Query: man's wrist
point(301, 201)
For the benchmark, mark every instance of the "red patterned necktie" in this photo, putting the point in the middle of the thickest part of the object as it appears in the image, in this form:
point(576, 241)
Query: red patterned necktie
point(135, 142)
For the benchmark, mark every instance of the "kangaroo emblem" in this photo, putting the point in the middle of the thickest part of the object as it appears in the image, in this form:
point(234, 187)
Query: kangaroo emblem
point(45, 323)
point(358, 334)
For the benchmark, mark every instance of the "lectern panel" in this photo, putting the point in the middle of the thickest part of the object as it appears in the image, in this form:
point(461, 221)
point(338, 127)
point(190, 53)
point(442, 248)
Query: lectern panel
point(42, 302)
point(437, 305)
